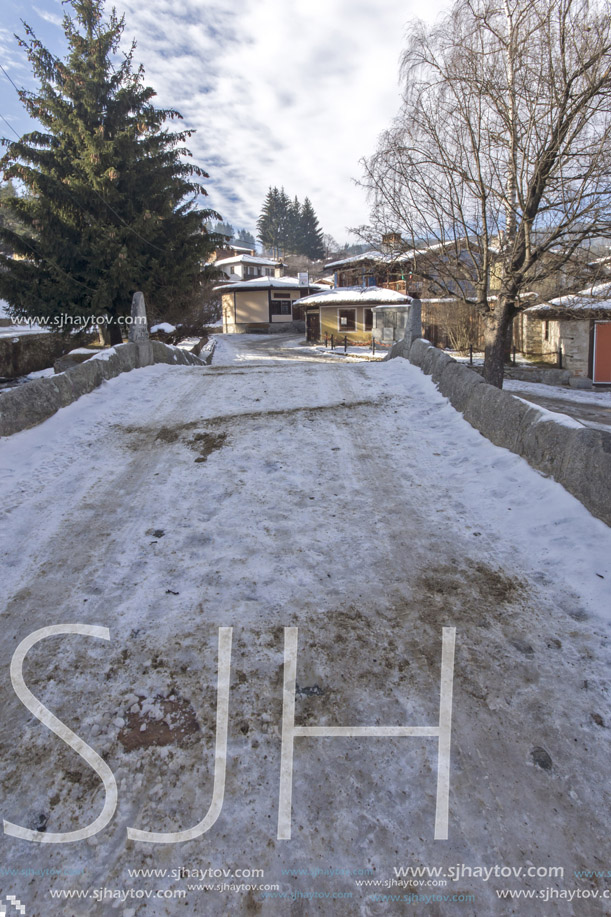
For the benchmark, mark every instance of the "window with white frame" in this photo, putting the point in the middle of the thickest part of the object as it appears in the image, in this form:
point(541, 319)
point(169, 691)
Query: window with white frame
point(347, 320)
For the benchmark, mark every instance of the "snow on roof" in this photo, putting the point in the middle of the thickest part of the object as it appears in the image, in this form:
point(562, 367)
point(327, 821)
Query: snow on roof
point(604, 260)
point(371, 255)
point(592, 299)
point(246, 259)
point(266, 283)
point(356, 296)
point(436, 300)
point(389, 257)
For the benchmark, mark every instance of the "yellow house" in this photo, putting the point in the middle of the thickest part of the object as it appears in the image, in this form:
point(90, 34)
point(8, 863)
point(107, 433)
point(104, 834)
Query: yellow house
point(263, 304)
point(346, 312)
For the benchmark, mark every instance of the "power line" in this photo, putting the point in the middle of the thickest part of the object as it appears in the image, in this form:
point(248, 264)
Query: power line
point(25, 241)
point(54, 264)
point(119, 217)
point(11, 80)
point(11, 127)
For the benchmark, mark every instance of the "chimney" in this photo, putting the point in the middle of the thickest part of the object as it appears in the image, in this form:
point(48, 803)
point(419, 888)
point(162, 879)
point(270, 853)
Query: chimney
point(391, 241)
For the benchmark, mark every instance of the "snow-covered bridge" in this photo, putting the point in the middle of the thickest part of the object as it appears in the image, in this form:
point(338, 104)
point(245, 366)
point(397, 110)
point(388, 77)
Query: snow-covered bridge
point(276, 490)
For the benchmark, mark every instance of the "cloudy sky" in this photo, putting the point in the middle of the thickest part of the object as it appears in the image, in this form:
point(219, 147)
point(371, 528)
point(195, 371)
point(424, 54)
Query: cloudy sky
point(280, 93)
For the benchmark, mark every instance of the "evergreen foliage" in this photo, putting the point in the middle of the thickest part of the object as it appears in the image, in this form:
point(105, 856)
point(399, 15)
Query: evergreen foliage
point(294, 232)
point(311, 241)
point(7, 219)
point(287, 227)
point(110, 202)
point(246, 238)
point(223, 229)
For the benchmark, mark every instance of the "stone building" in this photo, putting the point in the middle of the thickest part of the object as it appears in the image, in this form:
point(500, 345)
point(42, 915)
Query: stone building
point(573, 330)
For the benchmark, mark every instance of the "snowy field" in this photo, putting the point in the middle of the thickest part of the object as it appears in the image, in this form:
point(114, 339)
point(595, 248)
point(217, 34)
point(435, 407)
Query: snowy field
point(278, 489)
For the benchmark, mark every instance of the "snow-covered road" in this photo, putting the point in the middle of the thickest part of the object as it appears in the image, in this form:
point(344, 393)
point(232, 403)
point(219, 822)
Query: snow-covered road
point(274, 489)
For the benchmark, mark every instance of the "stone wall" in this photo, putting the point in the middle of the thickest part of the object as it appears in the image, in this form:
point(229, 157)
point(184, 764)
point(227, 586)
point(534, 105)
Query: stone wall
point(31, 403)
point(577, 457)
point(21, 354)
point(543, 338)
point(574, 338)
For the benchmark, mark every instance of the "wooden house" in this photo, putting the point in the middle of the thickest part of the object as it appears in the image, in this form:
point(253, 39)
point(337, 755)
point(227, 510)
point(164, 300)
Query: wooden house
point(264, 304)
point(347, 312)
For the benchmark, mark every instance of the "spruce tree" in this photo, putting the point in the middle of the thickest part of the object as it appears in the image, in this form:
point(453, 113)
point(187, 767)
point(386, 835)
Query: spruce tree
point(312, 244)
point(110, 203)
point(284, 228)
point(246, 238)
point(270, 225)
point(7, 218)
point(294, 235)
point(224, 229)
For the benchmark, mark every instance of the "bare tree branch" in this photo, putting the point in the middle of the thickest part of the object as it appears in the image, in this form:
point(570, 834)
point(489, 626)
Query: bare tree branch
point(501, 152)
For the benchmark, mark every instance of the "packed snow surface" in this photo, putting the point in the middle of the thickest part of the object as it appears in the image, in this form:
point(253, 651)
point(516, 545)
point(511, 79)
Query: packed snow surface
point(275, 489)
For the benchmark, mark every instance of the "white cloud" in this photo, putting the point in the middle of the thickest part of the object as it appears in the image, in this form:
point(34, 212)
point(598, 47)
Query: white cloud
point(280, 94)
point(53, 18)
point(13, 60)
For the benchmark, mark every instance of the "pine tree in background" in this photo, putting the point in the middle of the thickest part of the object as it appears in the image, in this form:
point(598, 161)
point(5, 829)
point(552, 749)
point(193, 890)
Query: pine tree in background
point(287, 227)
point(284, 228)
point(294, 234)
point(110, 203)
point(246, 238)
point(223, 229)
point(312, 243)
point(270, 223)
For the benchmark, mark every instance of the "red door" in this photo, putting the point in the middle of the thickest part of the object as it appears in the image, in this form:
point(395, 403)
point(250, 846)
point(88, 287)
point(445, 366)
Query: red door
point(602, 352)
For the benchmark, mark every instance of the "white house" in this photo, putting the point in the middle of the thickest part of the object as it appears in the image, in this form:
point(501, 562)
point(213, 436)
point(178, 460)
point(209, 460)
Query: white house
point(263, 304)
point(245, 267)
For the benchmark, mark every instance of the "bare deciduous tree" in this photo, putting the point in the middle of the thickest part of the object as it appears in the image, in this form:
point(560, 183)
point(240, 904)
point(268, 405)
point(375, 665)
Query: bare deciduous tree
point(501, 152)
